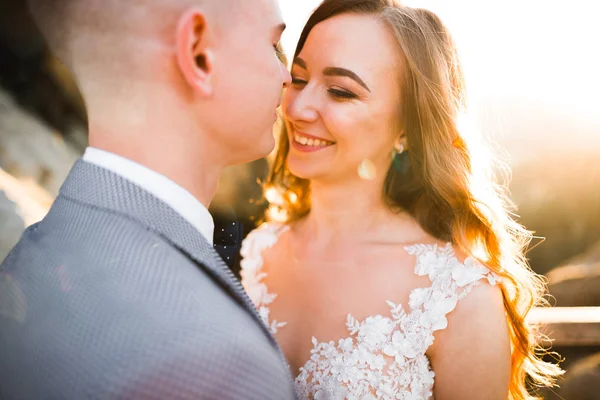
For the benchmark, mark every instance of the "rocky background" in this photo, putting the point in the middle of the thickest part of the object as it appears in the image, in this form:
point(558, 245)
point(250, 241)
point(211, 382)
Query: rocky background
point(43, 131)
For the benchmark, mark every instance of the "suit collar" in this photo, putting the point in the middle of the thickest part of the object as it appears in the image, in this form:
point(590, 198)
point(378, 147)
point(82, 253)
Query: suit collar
point(158, 185)
point(99, 187)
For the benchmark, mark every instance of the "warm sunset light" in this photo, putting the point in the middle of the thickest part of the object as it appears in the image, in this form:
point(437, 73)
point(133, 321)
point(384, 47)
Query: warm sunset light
point(403, 216)
point(530, 66)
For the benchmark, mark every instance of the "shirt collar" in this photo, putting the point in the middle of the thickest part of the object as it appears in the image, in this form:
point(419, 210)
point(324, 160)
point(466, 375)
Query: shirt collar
point(178, 198)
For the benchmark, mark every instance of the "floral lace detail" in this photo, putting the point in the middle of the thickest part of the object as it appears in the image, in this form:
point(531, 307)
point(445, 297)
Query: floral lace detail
point(384, 357)
point(252, 275)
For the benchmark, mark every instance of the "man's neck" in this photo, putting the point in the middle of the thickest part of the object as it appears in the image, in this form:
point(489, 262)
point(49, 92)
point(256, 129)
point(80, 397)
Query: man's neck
point(193, 172)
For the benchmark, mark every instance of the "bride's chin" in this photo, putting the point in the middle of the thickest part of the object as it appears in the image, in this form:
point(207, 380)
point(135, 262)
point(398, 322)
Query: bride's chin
point(303, 173)
point(308, 169)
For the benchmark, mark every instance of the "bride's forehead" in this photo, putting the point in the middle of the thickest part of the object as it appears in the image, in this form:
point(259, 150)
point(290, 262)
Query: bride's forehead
point(361, 40)
point(347, 26)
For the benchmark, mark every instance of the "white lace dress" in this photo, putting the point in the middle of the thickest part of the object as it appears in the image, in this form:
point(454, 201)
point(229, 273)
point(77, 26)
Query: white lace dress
point(383, 357)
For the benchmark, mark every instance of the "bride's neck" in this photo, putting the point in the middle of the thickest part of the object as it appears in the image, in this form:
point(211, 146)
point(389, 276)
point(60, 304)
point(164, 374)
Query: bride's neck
point(344, 209)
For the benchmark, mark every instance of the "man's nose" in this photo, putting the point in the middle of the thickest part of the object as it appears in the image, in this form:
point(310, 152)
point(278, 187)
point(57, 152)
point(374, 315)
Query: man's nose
point(287, 77)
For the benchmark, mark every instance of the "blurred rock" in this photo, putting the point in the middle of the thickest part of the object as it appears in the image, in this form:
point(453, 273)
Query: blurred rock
point(32, 201)
point(583, 380)
point(11, 225)
point(240, 188)
point(31, 149)
point(237, 208)
point(577, 284)
point(590, 256)
point(35, 78)
point(558, 196)
point(22, 203)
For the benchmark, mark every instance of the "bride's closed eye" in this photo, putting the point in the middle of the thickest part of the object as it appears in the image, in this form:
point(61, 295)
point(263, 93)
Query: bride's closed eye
point(341, 94)
point(298, 81)
point(337, 93)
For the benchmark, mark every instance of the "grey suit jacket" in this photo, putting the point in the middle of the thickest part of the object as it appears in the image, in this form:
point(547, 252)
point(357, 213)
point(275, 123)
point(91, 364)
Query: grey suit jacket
point(113, 295)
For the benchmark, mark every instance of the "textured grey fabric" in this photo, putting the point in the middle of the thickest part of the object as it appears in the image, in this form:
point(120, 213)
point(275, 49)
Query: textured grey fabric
point(113, 295)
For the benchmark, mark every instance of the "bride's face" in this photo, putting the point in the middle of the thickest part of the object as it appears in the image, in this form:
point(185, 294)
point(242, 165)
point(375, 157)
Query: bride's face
point(343, 105)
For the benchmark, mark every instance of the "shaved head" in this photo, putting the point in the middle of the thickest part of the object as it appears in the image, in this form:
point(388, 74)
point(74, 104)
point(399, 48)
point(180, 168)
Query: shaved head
point(84, 26)
point(173, 74)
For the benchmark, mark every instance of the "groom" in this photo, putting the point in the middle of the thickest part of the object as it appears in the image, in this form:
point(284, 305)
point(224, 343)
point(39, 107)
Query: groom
point(118, 292)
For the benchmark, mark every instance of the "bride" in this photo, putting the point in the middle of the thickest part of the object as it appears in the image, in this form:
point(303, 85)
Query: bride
point(397, 272)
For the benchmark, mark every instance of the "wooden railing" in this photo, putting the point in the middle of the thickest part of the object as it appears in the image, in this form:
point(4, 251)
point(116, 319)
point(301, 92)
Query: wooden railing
point(568, 326)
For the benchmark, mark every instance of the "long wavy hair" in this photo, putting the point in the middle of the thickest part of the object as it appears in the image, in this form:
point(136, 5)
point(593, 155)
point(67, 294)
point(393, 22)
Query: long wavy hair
point(451, 187)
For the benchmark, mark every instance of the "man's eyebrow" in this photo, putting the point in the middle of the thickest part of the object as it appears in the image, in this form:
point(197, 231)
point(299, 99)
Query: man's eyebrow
point(337, 71)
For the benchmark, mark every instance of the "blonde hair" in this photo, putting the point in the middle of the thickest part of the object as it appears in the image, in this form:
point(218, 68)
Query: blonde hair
point(448, 189)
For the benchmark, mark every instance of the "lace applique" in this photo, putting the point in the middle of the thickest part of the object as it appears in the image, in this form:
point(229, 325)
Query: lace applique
point(384, 356)
point(251, 265)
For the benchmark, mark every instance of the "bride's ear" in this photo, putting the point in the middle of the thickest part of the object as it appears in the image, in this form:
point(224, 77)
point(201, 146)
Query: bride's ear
point(401, 142)
point(194, 55)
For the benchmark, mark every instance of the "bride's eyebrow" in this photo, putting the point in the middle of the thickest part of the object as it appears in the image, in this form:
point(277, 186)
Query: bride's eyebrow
point(335, 71)
point(300, 62)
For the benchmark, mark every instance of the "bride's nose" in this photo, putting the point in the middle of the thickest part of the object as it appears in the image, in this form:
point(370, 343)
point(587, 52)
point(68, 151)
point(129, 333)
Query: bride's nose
point(301, 105)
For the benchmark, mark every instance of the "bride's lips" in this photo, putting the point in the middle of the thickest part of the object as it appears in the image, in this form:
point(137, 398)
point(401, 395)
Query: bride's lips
point(308, 143)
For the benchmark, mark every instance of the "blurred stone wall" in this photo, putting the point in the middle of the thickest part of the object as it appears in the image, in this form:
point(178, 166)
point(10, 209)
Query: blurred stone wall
point(11, 223)
point(31, 149)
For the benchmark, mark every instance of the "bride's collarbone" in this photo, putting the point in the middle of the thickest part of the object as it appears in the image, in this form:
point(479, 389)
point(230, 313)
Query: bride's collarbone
point(392, 274)
point(319, 307)
point(316, 302)
point(313, 293)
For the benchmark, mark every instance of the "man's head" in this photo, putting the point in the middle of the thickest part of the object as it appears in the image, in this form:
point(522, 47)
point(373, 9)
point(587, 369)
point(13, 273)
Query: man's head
point(183, 76)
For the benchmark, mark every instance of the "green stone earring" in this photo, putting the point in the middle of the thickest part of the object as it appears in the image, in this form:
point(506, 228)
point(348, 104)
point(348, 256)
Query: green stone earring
point(400, 160)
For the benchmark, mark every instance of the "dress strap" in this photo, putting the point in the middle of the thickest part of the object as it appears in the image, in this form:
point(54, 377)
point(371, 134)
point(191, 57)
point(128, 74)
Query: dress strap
point(451, 280)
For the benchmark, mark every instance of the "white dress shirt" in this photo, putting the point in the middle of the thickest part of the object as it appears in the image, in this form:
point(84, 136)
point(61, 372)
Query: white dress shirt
point(159, 185)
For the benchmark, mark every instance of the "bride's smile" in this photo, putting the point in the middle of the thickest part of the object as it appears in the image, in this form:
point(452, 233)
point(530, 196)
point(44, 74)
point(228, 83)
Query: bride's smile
point(309, 143)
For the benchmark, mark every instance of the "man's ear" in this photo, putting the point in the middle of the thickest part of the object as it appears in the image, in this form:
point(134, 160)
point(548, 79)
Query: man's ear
point(194, 56)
